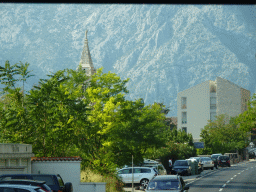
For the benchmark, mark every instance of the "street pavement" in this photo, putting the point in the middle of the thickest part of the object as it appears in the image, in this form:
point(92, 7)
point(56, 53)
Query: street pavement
point(189, 179)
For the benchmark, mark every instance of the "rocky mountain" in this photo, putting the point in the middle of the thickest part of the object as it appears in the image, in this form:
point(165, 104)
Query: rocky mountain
point(163, 49)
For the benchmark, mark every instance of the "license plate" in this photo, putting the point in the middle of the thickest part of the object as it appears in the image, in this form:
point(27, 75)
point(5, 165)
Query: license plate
point(223, 161)
point(207, 162)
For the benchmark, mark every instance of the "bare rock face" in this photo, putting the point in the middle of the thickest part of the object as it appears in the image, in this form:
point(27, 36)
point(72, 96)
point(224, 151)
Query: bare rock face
point(163, 49)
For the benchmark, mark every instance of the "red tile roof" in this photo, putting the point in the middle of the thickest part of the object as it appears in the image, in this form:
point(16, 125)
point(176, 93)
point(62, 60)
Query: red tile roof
point(76, 158)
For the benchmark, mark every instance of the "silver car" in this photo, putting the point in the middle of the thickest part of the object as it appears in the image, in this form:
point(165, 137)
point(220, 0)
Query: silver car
point(17, 188)
point(140, 175)
point(207, 163)
point(167, 183)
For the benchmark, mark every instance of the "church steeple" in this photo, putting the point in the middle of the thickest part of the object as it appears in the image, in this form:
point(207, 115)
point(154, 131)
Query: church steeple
point(86, 60)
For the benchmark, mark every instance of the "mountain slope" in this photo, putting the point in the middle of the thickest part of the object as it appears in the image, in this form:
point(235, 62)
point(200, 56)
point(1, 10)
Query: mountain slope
point(163, 49)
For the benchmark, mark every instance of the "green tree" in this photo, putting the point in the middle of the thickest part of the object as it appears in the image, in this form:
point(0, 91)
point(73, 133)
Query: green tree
point(22, 69)
point(247, 120)
point(120, 128)
point(7, 74)
point(223, 136)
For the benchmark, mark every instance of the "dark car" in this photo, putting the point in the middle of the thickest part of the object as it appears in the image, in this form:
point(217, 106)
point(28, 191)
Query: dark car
point(55, 182)
point(41, 184)
point(181, 167)
point(167, 183)
point(223, 161)
point(215, 159)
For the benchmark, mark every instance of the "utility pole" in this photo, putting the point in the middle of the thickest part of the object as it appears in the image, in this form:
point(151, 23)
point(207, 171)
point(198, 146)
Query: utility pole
point(132, 176)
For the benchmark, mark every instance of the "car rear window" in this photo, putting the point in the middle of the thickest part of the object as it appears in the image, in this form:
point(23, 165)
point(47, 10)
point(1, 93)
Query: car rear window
point(181, 163)
point(224, 158)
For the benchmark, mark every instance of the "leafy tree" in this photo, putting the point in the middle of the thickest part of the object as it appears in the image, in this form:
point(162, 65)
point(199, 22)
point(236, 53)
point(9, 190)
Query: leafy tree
point(178, 145)
point(22, 69)
point(223, 136)
point(247, 120)
point(120, 128)
point(7, 74)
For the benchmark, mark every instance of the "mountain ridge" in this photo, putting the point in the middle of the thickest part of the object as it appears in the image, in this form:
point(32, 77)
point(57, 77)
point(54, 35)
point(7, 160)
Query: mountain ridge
point(163, 49)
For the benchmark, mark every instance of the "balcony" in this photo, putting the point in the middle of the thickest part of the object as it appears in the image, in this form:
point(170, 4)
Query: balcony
point(213, 106)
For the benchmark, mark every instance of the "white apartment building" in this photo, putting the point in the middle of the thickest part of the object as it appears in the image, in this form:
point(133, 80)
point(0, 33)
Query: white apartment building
point(204, 101)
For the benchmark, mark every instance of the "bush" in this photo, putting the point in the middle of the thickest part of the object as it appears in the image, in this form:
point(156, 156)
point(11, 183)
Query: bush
point(113, 183)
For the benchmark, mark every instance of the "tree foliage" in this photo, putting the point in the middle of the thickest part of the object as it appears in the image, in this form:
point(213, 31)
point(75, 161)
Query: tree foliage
point(178, 145)
point(223, 135)
point(71, 114)
point(247, 120)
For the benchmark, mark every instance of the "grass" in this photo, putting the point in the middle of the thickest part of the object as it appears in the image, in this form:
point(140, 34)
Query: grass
point(113, 184)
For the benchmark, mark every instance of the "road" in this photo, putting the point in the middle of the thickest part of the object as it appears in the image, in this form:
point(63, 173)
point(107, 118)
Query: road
point(239, 177)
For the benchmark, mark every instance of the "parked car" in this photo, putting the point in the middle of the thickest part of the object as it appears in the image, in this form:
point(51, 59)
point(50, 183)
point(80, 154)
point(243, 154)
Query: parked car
point(19, 188)
point(182, 167)
point(55, 182)
point(234, 157)
point(214, 158)
point(141, 175)
point(207, 163)
point(223, 161)
point(199, 161)
point(41, 184)
point(167, 183)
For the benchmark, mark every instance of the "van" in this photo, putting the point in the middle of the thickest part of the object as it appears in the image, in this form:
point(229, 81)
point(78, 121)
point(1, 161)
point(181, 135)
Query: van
point(234, 157)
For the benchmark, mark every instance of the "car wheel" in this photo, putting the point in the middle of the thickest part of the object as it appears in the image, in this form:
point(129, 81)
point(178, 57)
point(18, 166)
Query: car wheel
point(68, 187)
point(144, 182)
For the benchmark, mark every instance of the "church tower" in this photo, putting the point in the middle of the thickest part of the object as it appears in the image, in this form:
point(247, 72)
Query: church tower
point(86, 61)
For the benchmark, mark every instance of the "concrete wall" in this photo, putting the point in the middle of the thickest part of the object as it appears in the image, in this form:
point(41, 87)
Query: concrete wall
point(69, 171)
point(198, 107)
point(228, 98)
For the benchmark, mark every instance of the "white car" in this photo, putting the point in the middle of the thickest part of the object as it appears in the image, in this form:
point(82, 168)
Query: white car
point(207, 163)
point(23, 188)
point(140, 175)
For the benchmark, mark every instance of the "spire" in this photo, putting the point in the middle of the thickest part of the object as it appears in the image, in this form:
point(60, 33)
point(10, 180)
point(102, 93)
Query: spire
point(86, 61)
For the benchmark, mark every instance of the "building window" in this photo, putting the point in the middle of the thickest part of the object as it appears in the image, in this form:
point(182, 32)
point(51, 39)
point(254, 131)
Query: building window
point(184, 117)
point(184, 129)
point(213, 116)
point(213, 103)
point(183, 102)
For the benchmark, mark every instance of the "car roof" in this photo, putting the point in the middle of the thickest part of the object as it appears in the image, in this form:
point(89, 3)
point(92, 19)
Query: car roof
point(19, 186)
point(22, 180)
point(138, 167)
point(224, 156)
point(165, 177)
point(23, 174)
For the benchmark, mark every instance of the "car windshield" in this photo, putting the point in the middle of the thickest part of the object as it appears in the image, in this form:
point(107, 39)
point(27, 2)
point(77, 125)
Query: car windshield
point(163, 185)
point(215, 156)
point(206, 159)
point(181, 163)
